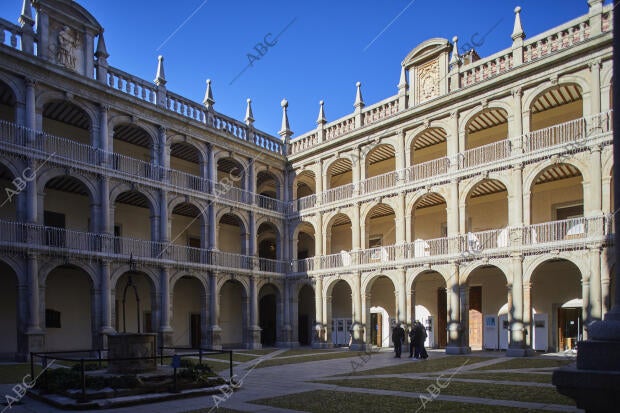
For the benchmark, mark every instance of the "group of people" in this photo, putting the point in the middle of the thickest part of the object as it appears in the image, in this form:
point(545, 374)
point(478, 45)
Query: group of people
point(417, 336)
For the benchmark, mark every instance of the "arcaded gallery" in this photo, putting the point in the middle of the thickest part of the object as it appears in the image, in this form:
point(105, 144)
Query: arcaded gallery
point(476, 199)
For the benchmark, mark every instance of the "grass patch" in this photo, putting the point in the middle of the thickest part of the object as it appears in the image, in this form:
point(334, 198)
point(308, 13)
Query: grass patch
point(211, 410)
point(242, 358)
point(520, 377)
point(277, 361)
point(14, 373)
point(260, 352)
point(528, 363)
point(430, 365)
point(325, 401)
point(487, 391)
point(307, 352)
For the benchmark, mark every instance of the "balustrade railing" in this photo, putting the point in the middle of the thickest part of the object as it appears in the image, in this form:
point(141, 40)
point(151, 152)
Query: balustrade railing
point(486, 154)
point(131, 85)
point(428, 169)
point(338, 193)
point(379, 182)
point(10, 34)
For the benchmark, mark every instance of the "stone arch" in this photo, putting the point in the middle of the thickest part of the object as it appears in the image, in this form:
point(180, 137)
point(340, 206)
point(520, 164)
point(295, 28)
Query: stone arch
point(504, 268)
point(123, 187)
point(51, 173)
point(368, 207)
point(268, 220)
point(121, 119)
point(152, 275)
point(300, 224)
point(238, 214)
point(272, 172)
point(530, 266)
point(328, 220)
point(328, 285)
point(531, 95)
point(467, 189)
point(243, 281)
point(50, 96)
point(197, 203)
point(174, 278)
point(16, 86)
point(540, 167)
point(475, 111)
point(17, 267)
point(419, 271)
point(369, 281)
point(46, 269)
point(224, 154)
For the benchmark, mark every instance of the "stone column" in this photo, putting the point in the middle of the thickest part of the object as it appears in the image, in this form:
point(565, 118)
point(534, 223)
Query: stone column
point(585, 294)
point(358, 328)
point(253, 329)
point(516, 198)
point(596, 303)
point(595, 87)
point(355, 227)
point(455, 329)
point(165, 330)
point(464, 320)
point(106, 304)
point(402, 296)
point(35, 336)
point(399, 220)
point(517, 346)
point(516, 139)
point(318, 180)
point(318, 339)
point(286, 334)
point(527, 314)
point(593, 202)
point(356, 172)
point(164, 230)
point(215, 332)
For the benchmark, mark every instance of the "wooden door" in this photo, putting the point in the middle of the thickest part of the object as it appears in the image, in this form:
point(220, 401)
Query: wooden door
point(195, 331)
point(475, 317)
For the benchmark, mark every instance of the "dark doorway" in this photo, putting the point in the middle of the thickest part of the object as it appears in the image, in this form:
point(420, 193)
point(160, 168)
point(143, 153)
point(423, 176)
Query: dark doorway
point(195, 331)
point(569, 327)
point(306, 318)
point(304, 329)
point(442, 317)
point(267, 319)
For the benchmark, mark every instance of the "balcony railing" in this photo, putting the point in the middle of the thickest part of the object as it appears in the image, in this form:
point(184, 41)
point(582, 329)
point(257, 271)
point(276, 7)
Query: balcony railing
point(570, 136)
point(570, 233)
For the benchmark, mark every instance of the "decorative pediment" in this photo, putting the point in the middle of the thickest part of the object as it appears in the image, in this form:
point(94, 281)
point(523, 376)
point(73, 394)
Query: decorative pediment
point(426, 50)
point(70, 13)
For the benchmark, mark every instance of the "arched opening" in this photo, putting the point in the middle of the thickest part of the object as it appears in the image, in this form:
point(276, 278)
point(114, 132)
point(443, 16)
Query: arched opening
point(67, 205)
point(487, 294)
point(66, 119)
point(134, 150)
point(132, 219)
point(557, 195)
point(9, 312)
point(556, 294)
point(186, 223)
point(383, 301)
point(429, 217)
point(339, 234)
point(486, 208)
point(267, 185)
point(306, 315)
point(231, 234)
point(305, 241)
point(305, 184)
point(230, 172)
point(428, 145)
point(488, 126)
point(429, 291)
point(69, 314)
point(268, 310)
point(339, 173)
point(186, 158)
point(268, 239)
point(379, 160)
point(341, 317)
point(188, 312)
point(126, 314)
point(7, 103)
point(8, 200)
point(233, 314)
point(379, 229)
point(559, 104)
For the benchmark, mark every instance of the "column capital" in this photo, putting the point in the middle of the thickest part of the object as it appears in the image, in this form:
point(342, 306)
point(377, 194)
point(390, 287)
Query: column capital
point(517, 91)
point(30, 82)
point(595, 63)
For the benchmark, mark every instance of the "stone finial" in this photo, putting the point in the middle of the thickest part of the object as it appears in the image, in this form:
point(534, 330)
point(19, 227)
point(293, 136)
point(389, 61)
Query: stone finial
point(208, 101)
point(102, 52)
point(321, 119)
point(517, 32)
point(455, 59)
point(402, 83)
point(25, 17)
point(285, 131)
point(249, 116)
point(359, 102)
point(160, 78)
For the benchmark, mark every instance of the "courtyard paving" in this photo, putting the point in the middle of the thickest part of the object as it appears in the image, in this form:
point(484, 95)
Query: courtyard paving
point(346, 376)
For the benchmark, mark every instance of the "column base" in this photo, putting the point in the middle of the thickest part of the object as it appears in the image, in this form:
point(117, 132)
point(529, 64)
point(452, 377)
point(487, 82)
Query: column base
point(458, 349)
point(214, 337)
point(34, 342)
point(254, 338)
point(520, 352)
point(322, 345)
point(287, 344)
point(360, 347)
point(165, 338)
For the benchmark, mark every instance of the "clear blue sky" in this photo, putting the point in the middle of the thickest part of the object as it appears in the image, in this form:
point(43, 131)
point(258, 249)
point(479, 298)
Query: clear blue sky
point(327, 47)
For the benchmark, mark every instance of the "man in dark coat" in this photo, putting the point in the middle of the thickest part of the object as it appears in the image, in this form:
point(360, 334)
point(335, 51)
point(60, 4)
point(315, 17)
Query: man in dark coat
point(420, 337)
point(412, 341)
point(398, 336)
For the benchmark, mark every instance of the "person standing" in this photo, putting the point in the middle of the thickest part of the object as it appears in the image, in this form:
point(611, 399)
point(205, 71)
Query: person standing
point(398, 336)
point(412, 340)
point(420, 337)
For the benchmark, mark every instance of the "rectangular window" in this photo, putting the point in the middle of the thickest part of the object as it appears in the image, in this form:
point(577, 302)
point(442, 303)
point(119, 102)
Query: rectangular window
point(52, 318)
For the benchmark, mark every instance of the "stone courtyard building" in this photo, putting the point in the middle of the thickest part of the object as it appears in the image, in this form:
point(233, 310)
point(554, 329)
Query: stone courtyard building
point(477, 199)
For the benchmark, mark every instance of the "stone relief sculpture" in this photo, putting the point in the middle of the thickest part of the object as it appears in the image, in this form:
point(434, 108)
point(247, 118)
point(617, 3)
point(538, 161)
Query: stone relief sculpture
point(65, 50)
point(428, 81)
